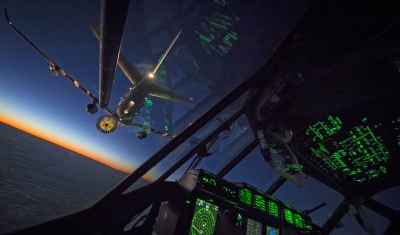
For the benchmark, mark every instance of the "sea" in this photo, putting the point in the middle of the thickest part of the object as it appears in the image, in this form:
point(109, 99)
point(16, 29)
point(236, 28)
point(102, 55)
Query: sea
point(40, 181)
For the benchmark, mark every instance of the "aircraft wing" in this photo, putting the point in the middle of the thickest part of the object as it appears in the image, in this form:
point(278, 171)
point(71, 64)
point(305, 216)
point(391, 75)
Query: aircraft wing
point(54, 67)
point(134, 76)
point(191, 140)
point(147, 128)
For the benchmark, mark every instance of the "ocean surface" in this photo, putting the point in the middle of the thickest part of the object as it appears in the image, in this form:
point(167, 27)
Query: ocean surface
point(40, 181)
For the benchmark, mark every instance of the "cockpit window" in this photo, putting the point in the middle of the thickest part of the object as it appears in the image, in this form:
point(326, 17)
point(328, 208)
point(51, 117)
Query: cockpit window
point(186, 149)
point(348, 225)
point(309, 197)
point(258, 173)
point(227, 146)
point(385, 197)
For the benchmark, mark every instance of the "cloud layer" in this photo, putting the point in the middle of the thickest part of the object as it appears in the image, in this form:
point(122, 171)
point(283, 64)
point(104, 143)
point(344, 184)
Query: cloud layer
point(40, 181)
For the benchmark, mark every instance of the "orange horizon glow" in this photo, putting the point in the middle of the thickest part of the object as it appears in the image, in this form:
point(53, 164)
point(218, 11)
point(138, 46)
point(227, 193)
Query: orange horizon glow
point(30, 129)
point(43, 135)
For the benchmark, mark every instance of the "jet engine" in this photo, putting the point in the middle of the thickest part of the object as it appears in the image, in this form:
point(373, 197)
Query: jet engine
point(141, 135)
point(91, 108)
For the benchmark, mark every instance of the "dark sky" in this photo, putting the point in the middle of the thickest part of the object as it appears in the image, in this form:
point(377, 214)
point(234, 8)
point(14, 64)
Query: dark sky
point(32, 97)
point(34, 100)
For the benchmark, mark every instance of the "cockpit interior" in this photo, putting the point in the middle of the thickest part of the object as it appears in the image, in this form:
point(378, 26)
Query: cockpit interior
point(294, 130)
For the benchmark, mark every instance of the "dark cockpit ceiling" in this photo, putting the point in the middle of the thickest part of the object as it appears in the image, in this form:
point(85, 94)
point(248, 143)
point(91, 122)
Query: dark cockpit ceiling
point(342, 61)
point(339, 89)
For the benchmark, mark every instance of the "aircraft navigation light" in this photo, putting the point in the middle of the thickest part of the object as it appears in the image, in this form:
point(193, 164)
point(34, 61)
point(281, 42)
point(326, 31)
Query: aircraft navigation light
point(151, 75)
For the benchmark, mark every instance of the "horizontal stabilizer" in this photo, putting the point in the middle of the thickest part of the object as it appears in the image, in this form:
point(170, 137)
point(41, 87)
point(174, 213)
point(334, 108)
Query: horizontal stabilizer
point(165, 93)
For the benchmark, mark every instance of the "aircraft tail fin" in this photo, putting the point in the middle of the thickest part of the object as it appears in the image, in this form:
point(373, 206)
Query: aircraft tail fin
point(134, 76)
point(7, 17)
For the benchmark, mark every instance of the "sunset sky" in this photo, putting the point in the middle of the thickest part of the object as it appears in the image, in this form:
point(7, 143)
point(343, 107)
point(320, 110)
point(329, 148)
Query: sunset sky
point(33, 100)
point(52, 108)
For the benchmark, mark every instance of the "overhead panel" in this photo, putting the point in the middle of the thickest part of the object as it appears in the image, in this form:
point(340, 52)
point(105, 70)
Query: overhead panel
point(356, 147)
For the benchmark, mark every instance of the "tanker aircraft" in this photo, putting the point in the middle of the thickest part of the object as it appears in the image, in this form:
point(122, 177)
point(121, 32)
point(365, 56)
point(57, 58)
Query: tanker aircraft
point(131, 102)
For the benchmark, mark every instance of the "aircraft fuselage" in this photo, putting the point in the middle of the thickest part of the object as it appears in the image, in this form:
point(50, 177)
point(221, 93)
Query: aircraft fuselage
point(132, 101)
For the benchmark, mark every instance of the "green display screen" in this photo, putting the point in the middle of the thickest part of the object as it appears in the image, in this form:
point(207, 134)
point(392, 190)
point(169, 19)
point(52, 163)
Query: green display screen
point(246, 196)
point(273, 209)
point(204, 218)
point(289, 216)
point(259, 202)
point(298, 221)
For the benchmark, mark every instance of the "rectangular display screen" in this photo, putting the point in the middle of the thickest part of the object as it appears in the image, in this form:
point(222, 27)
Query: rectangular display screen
point(253, 227)
point(298, 221)
point(289, 216)
point(272, 231)
point(204, 218)
point(246, 196)
point(259, 202)
point(273, 209)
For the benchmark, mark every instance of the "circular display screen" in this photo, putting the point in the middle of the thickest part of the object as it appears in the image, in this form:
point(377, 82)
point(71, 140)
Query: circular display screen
point(203, 222)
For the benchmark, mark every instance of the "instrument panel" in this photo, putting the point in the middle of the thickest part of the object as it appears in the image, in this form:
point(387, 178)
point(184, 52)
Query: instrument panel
point(356, 148)
point(204, 218)
point(215, 206)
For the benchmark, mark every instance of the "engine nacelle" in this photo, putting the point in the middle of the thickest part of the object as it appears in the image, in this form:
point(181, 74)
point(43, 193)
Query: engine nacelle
point(91, 108)
point(141, 135)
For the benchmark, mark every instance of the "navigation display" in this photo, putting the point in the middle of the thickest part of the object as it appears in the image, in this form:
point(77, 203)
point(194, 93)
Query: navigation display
point(205, 216)
point(253, 227)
